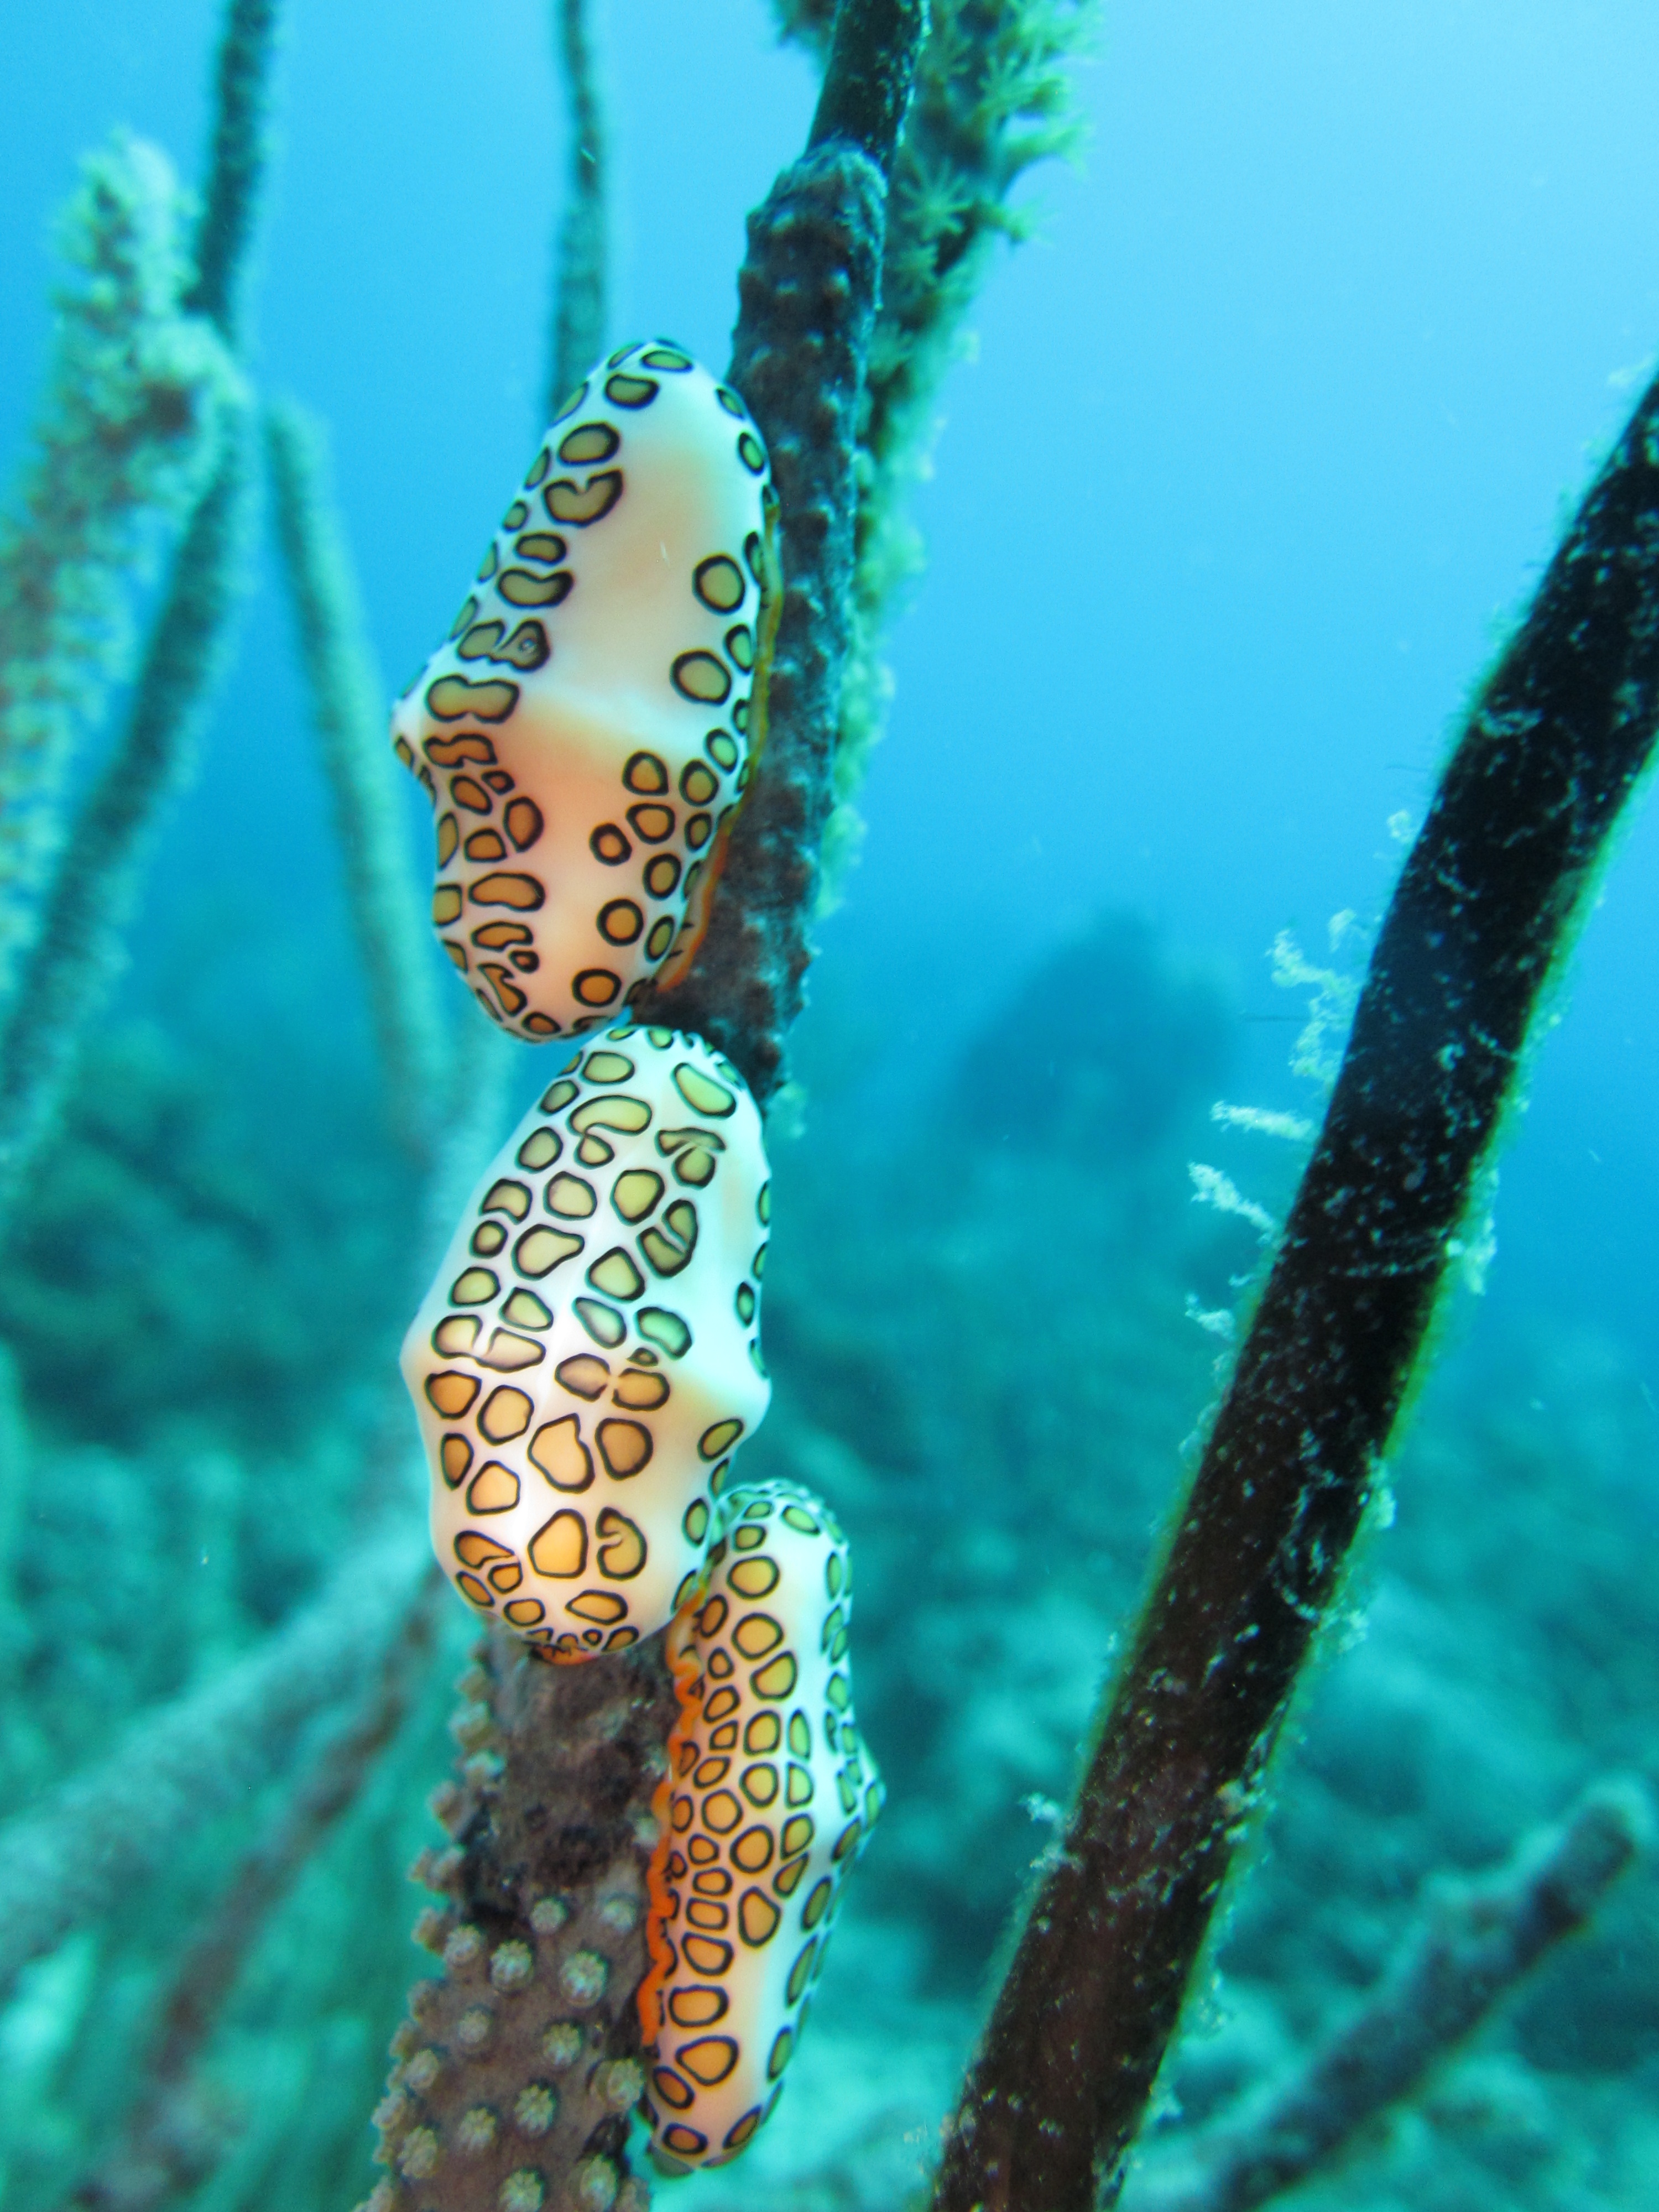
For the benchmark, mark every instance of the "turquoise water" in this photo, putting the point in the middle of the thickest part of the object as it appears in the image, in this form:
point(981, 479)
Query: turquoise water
point(1261, 440)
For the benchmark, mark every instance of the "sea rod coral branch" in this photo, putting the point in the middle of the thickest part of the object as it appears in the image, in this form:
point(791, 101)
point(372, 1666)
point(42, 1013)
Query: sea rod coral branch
point(97, 881)
point(1559, 737)
point(579, 291)
point(236, 167)
point(129, 425)
point(517, 2071)
point(69, 1858)
point(869, 77)
point(1474, 1942)
point(992, 98)
point(172, 2138)
point(96, 886)
point(346, 697)
point(808, 294)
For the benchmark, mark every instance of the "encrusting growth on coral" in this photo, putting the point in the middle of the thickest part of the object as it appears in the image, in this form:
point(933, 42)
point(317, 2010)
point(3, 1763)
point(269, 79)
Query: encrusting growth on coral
point(1560, 735)
point(95, 887)
point(1475, 1941)
point(346, 696)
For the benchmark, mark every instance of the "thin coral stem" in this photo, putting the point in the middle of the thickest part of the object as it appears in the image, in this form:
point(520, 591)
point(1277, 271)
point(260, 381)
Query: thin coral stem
point(1474, 1944)
point(869, 77)
point(542, 1935)
point(172, 2138)
point(96, 889)
point(580, 281)
point(992, 97)
point(128, 428)
point(347, 700)
point(69, 1858)
point(100, 873)
point(237, 165)
point(808, 291)
point(1558, 738)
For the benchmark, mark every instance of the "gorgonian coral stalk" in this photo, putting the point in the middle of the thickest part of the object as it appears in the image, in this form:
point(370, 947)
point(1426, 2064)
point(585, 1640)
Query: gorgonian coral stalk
point(1560, 735)
point(134, 400)
point(515, 2073)
point(346, 695)
point(95, 886)
point(992, 98)
point(91, 900)
point(1473, 1943)
point(809, 290)
point(579, 303)
point(178, 2128)
point(71, 1857)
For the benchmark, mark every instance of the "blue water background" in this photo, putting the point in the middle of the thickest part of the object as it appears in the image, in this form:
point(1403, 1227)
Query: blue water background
point(1260, 444)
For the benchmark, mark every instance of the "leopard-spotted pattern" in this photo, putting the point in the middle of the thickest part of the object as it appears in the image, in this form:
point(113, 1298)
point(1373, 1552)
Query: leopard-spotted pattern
point(770, 1795)
point(586, 731)
point(589, 1354)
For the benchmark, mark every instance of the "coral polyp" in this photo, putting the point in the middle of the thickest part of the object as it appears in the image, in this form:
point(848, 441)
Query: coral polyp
point(586, 732)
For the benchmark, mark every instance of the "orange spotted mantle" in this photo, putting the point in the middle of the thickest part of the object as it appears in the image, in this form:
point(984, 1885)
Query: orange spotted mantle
point(586, 731)
point(588, 1355)
point(769, 1800)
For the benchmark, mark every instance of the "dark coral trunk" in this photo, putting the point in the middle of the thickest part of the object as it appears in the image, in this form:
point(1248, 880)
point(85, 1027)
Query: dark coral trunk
point(1557, 741)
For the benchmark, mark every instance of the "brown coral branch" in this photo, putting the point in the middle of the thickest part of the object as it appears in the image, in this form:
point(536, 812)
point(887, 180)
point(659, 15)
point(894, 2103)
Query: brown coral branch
point(992, 98)
point(1473, 1943)
point(579, 274)
point(1559, 737)
point(236, 166)
point(809, 291)
point(517, 2070)
point(174, 2135)
point(71, 1857)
